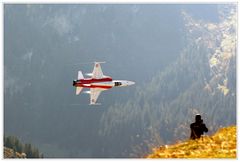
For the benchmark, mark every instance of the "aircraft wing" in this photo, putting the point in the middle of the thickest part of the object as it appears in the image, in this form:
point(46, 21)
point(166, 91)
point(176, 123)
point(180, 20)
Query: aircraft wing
point(97, 71)
point(94, 94)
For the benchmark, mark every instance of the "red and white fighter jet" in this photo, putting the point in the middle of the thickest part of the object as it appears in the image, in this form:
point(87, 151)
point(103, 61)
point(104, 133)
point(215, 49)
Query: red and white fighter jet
point(97, 83)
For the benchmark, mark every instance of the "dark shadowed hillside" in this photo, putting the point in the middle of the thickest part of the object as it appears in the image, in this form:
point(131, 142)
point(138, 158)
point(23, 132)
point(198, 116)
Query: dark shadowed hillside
point(183, 62)
point(44, 46)
point(162, 110)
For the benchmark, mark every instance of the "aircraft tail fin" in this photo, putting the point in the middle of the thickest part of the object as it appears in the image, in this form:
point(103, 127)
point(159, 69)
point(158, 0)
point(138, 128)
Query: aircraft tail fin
point(80, 75)
point(78, 90)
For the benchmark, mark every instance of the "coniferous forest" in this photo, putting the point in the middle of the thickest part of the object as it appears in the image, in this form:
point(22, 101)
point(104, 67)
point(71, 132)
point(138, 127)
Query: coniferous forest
point(14, 143)
point(181, 57)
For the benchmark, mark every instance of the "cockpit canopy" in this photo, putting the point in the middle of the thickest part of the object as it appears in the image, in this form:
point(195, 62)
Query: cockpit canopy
point(117, 83)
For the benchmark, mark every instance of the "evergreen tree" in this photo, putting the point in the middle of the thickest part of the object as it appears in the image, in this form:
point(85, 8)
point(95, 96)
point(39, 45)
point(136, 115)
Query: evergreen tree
point(14, 143)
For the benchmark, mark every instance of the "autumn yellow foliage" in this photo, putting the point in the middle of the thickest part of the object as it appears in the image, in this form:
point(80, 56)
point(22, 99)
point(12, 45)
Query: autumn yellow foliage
point(220, 145)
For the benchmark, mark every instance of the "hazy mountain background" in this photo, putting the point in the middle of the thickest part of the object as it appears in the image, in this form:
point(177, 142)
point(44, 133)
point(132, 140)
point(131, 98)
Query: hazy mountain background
point(182, 58)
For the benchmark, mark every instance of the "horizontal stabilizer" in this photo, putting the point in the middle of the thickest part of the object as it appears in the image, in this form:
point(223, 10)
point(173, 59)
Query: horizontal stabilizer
point(78, 90)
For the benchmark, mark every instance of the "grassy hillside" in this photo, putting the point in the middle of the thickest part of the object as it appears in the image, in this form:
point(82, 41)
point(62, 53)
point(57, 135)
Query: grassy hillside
point(220, 145)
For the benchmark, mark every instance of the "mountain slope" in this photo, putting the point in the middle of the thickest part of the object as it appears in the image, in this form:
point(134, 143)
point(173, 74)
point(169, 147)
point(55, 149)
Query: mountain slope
point(138, 42)
point(161, 110)
point(44, 44)
point(220, 145)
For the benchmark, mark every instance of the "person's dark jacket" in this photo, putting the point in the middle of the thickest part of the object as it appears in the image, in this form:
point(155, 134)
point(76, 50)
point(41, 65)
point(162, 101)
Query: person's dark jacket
point(197, 129)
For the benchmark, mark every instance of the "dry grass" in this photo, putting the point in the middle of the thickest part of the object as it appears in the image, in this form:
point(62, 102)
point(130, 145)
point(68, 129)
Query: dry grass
point(220, 145)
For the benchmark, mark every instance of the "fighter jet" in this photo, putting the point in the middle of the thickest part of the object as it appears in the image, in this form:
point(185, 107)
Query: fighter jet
point(97, 83)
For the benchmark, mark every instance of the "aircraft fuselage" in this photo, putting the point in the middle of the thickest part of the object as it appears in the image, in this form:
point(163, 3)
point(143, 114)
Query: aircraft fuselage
point(105, 83)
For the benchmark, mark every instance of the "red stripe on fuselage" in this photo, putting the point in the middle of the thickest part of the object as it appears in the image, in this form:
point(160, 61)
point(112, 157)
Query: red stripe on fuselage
point(93, 86)
point(93, 80)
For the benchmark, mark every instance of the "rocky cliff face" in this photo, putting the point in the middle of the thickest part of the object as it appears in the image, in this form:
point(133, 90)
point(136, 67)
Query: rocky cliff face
point(220, 39)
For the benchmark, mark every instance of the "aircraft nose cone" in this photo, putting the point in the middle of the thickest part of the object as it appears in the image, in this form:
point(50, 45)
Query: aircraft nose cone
point(131, 83)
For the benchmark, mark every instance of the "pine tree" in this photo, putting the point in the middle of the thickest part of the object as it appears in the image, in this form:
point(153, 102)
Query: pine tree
point(14, 143)
point(28, 150)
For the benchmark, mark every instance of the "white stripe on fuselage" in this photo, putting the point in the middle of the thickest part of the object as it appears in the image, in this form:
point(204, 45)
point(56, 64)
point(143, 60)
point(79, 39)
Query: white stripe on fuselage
point(103, 84)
